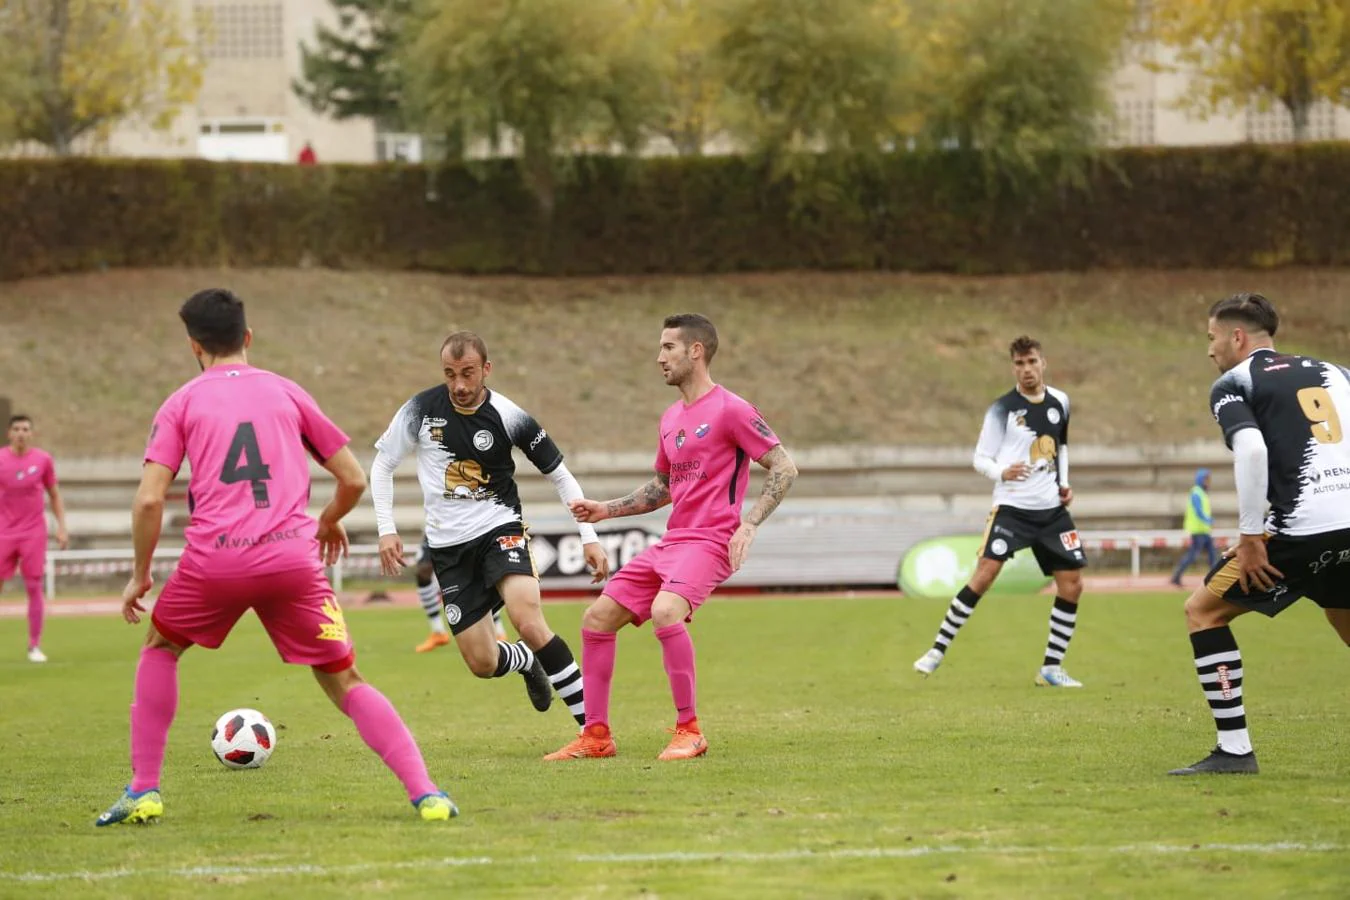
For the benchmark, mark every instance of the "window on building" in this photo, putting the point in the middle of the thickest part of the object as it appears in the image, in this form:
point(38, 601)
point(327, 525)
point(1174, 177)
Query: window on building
point(241, 30)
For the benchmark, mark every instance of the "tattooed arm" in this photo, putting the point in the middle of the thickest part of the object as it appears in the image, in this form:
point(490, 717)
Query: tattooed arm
point(782, 473)
point(652, 495)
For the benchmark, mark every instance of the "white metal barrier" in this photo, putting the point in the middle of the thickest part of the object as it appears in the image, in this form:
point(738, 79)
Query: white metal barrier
point(365, 558)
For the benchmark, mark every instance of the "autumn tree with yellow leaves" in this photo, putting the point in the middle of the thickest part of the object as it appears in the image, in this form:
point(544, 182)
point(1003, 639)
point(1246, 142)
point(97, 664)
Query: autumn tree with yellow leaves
point(1291, 52)
point(76, 68)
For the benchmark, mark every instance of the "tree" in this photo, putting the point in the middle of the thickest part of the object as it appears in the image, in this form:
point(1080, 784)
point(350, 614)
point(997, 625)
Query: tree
point(92, 64)
point(550, 77)
point(1024, 84)
point(692, 105)
point(354, 70)
point(1293, 52)
point(813, 75)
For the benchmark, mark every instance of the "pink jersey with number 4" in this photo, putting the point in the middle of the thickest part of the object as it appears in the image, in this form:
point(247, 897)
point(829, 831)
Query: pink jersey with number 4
point(707, 448)
point(247, 434)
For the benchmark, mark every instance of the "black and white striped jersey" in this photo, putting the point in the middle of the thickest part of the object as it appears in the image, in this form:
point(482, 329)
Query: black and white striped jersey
point(464, 462)
point(1017, 429)
point(1297, 403)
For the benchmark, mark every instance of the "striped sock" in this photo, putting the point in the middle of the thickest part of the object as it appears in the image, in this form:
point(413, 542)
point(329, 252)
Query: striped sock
point(963, 604)
point(512, 658)
point(565, 675)
point(1063, 617)
point(429, 595)
point(1219, 665)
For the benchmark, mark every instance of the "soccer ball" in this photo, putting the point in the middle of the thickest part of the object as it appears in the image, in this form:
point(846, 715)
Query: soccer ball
point(243, 739)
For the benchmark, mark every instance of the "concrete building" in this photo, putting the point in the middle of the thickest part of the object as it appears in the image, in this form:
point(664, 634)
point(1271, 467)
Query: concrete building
point(247, 111)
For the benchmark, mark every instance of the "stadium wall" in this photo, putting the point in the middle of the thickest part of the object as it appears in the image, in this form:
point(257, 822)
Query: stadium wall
point(1212, 207)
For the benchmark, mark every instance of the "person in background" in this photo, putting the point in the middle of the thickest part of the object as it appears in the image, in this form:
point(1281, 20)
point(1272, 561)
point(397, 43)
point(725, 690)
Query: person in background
point(1199, 524)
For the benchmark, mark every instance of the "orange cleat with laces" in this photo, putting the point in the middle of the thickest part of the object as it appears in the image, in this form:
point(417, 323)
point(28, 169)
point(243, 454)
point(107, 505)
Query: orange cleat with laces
point(594, 742)
point(687, 743)
point(434, 640)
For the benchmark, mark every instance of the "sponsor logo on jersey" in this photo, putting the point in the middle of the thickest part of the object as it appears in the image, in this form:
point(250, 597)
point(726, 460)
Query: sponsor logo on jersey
point(465, 480)
point(762, 427)
point(538, 438)
point(511, 541)
point(1224, 401)
point(701, 430)
point(1070, 540)
point(482, 439)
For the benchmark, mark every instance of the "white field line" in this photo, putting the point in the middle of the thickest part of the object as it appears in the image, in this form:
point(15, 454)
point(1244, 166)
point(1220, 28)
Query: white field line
point(453, 862)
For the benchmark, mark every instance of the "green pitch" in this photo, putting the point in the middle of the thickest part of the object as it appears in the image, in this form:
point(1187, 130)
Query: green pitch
point(834, 770)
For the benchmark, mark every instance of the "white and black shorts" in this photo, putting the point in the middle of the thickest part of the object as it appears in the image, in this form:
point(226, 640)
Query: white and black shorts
point(1050, 533)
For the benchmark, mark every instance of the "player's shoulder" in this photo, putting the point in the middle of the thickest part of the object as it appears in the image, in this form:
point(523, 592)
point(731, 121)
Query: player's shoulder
point(432, 401)
point(1006, 402)
point(507, 408)
point(1060, 397)
point(1237, 380)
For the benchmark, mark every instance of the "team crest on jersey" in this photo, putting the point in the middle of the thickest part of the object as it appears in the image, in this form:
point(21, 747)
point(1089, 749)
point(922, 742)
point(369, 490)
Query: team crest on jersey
point(1070, 540)
point(679, 439)
point(511, 541)
point(1053, 415)
point(453, 614)
point(701, 430)
point(482, 439)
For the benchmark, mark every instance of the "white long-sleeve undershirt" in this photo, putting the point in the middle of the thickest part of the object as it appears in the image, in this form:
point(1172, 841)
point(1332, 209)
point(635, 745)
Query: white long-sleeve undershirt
point(1252, 473)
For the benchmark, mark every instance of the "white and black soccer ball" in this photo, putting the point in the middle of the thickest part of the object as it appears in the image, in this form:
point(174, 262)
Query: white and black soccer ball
point(243, 739)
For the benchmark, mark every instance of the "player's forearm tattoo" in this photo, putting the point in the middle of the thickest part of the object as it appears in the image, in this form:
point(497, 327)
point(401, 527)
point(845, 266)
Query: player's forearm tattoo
point(782, 473)
point(652, 495)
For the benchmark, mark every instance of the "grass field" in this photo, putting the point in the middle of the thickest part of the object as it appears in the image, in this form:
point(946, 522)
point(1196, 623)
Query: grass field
point(829, 358)
point(834, 770)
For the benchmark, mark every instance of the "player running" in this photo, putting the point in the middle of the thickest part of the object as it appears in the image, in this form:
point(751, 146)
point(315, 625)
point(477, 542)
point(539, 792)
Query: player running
point(1023, 448)
point(707, 438)
point(462, 434)
point(247, 435)
point(25, 473)
point(1281, 414)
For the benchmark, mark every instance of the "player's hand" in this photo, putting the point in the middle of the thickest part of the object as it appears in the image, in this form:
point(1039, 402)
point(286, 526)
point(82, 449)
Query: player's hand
point(739, 548)
point(62, 537)
point(597, 561)
point(391, 555)
point(1254, 568)
point(131, 597)
point(333, 543)
point(1016, 472)
point(588, 510)
point(1066, 495)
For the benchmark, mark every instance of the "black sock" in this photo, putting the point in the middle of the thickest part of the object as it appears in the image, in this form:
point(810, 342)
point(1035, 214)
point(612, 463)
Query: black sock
point(512, 658)
point(1063, 618)
point(960, 609)
point(563, 671)
point(1219, 665)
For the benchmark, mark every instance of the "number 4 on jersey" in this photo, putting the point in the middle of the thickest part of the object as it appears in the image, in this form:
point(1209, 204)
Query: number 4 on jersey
point(243, 462)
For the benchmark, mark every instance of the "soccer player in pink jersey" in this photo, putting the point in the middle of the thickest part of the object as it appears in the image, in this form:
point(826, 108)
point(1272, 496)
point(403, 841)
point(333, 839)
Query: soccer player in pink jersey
point(248, 435)
point(707, 438)
point(25, 474)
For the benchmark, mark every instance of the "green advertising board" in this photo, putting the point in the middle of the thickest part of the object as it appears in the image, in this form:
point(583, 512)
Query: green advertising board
point(938, 567)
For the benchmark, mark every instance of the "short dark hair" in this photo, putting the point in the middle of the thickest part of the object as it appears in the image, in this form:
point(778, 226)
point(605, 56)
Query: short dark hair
point(695, 329)
point(462, 341)
point(17, 418)
point(1252, 311)
point(1023, 345)
point(215, 319)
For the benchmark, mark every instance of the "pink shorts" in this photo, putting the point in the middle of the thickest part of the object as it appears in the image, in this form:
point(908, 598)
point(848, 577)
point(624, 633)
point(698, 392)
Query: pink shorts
point(692, 569)
point(26, 553)
point(297, 607)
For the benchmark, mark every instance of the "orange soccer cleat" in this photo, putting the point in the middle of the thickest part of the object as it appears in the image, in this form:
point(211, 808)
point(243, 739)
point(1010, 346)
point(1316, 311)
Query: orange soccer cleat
point(687, 743)
point(594, 742)
point(434, 640)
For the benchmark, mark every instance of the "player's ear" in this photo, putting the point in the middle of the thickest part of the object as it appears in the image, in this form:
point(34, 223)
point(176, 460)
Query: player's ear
point(487, 367)
point(248, 337)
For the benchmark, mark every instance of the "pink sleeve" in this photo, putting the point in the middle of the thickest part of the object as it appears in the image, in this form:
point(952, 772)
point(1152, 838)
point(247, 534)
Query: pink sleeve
point(321, 436)
point(749, 430)
point(662, 464)
point(166, 444)
point(49, 474)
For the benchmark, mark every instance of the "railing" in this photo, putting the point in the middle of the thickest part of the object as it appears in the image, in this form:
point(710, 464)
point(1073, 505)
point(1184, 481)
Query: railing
point(364, 558)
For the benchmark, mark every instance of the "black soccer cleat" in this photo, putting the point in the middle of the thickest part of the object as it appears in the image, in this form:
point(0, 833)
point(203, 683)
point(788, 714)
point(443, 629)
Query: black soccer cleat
point(538, 686)
point(1221, 762)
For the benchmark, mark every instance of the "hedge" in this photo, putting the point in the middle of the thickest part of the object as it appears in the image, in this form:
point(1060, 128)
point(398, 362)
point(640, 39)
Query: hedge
point(1240, 206)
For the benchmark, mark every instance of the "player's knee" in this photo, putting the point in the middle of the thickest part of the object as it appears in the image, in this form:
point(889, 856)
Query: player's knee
point(599, 617)
point(423, 573)
point(668, 611)
point(483, 663)
point(533, 631)
point(1070, 587)
point(1204, 612)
